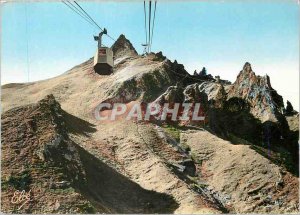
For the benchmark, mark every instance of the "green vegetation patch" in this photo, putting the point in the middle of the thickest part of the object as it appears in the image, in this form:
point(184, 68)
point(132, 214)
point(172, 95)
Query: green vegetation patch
point(172, 131)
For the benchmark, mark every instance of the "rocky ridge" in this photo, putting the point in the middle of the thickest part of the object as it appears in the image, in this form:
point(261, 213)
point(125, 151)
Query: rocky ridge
point(265, 102)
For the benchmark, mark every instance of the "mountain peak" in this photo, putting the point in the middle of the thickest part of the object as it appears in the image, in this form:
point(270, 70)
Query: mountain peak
point(123, 47)
point(257, 90)
point(247, 75)
point(247, 67)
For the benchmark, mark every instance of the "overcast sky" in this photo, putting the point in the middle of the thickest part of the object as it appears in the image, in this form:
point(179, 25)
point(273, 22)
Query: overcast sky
point(216, 35)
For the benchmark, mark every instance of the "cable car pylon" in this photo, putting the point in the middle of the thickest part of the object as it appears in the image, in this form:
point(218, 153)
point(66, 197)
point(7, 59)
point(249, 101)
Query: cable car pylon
point(145, 48)
point(149, 32)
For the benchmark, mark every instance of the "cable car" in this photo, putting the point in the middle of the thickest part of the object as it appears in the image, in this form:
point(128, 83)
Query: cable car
point(103, 60)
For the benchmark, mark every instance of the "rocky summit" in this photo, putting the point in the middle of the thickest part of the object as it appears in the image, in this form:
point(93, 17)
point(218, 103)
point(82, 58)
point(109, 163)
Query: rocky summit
point(265, 102)
point(242, 157)
point(123, 47)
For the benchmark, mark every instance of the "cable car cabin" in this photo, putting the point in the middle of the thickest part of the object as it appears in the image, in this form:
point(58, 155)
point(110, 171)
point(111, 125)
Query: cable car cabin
point(103, 61)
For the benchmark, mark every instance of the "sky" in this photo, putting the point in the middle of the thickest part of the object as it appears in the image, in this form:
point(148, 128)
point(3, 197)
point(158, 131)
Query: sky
point(44, 39)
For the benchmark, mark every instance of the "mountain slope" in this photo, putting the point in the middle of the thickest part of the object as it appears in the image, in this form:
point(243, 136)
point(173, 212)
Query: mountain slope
point(41, 159)
point(135, 167)
point(245, 180)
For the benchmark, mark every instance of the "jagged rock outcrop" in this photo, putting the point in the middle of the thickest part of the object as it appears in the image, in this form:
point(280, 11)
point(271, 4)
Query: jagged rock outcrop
point(123, 47)
point(265, 103)
point(216, 94)
point(173, 94)
point(289, 110)
point(242, 110)
point(180, 95)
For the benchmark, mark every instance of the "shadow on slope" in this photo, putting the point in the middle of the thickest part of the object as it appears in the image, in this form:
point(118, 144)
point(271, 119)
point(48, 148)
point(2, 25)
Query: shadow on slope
point(76, 125)
point(107, 187)
point(109, 190)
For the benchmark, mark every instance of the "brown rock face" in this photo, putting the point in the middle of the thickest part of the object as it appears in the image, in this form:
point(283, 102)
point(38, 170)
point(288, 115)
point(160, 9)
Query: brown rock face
point(40, 159)
point(264, 101)
point(123, 47)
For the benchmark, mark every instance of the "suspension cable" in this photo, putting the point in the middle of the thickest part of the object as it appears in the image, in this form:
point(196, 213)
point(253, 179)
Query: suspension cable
point(145, 22)
point(92, 20)
point(153, 25)
point(80, 11)
point(149, 24)
point(73, 8)
point(88, 16)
